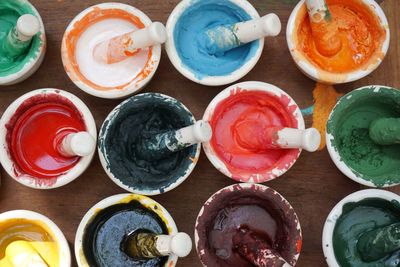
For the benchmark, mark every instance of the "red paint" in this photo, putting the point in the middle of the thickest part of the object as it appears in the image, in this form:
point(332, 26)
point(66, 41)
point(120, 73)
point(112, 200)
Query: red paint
point(243, 138)
point(36, 130)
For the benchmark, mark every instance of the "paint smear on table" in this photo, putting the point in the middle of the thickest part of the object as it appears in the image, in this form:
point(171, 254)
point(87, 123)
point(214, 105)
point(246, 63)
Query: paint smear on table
point(325, 99)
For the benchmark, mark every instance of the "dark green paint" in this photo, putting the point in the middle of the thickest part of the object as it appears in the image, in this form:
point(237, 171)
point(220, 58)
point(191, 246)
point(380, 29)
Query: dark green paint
point(385, 131)
point(358, 219)
point(349, 125)
point(140, 118)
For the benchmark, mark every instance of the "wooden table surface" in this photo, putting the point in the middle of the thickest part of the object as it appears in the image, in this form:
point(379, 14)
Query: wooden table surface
point(313, 186)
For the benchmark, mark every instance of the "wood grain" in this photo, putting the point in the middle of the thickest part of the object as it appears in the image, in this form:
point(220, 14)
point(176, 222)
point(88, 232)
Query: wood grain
point(313, 186)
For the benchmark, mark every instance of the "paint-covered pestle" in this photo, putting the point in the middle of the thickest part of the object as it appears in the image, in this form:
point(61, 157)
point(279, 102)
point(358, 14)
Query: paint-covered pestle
point(223, 38)
point(22, 254)
point(19, 37)
point(77, 144)
point(379, 243)
point(278, 138)
point(385, 131)
point(256, 250)
point(126, 45)
point(163, 144)
point(324, 28)
point(148, 245)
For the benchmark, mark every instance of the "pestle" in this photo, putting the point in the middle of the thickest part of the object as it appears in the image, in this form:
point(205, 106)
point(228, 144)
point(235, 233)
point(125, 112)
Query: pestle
point(19, 37)
point(385, 131)
point(163, 144)
point(126, 45)
point(77, 144)
point(222, 38)
point(324, 29)
point(277, 137)
point(147, 245)
point(379, 243)
point(22, 254)
point(256, 250)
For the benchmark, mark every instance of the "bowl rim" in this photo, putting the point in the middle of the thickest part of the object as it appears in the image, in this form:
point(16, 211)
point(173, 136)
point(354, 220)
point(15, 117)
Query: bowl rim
point(232, 188)
point(65, 253)
point(335, 155)
point(224, 94)
point(313, 72)
point(209, 80)
point(336, 212)
point(133, 87)
point(74, 172)
point(30, 67)
point(103, 132)
point(113, 200)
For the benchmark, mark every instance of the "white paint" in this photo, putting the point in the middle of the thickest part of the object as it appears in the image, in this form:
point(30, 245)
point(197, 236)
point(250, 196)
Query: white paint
point(108, 75)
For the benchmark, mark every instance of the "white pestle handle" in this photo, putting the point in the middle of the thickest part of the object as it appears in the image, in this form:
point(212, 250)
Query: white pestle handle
point(27, 27)
point(115, 50)
point(248, 31)
point(199, 132)
point(22, 254)
point(78, 144)
point(316, 9)
point(309, 139)
point(152, 35)
point(179, 244)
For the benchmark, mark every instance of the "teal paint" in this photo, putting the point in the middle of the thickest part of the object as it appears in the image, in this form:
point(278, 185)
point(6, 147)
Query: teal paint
point(358, 219)
point(308, 111)
point(10, 59)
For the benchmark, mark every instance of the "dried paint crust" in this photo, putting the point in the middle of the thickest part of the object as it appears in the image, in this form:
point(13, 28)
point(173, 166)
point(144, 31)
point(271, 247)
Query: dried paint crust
point(288, 239)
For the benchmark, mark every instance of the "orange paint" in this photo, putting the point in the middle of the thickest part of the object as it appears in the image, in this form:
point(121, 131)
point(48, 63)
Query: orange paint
point(325, 98)
point(72, 37)
point(359, 30)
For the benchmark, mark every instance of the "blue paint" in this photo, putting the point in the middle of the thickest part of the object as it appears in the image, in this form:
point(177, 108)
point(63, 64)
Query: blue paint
point(191, 40)
point(308, 111)
point(220, 39)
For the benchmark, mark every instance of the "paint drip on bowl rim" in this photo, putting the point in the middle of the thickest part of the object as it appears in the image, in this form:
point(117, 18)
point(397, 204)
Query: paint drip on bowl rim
point(251, 215)
point(239, 116)
point(95, 25)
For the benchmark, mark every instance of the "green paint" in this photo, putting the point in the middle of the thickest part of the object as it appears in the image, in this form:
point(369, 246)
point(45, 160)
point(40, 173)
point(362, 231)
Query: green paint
point(13, 55)
point(379, 243)
point(385, 131)
point(349, 129)
point(358, 219)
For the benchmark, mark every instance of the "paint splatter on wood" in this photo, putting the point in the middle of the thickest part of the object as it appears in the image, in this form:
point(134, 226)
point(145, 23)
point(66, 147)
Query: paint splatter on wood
point(325, 98)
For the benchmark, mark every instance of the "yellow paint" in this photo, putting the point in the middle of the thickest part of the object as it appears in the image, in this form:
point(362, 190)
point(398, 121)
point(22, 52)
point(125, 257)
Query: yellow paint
point(35, 233)
point(325, 98)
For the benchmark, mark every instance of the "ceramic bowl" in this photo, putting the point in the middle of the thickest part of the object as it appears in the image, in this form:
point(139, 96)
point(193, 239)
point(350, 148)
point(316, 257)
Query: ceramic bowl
point(310, 70)
point(52, 228)
point(7, 160)
point(122, 199)
point(209, 80)
point(186, 166)
point(382, 94)
point(39, 42)
point(334, 215)
point(246, 191)
point(72, 68)
point(218, 162)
